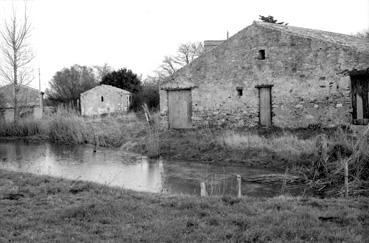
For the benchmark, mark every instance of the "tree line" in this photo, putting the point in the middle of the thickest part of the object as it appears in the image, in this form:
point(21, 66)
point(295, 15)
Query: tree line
point(66, 85)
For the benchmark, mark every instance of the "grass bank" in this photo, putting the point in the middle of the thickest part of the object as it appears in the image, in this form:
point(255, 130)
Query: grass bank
point(44, 209)
point(299, 150)
point(272, 148)
point(67, 127)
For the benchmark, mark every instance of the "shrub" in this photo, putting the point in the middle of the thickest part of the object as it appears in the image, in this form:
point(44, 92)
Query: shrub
point(109, 135)
point(67, 127)
point(22, 128)
point(149, 94)
point(152, 141)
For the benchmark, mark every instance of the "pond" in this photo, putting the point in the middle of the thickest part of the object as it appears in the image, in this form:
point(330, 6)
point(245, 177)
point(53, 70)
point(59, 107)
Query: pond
point(114, 167)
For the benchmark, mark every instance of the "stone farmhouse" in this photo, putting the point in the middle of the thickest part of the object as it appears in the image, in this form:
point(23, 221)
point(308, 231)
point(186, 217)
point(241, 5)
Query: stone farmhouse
point(104, 99)
point(30, 102)
point(272, 75)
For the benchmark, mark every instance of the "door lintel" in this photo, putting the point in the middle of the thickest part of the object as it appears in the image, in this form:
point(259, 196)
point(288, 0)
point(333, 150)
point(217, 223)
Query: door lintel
point(260, 86)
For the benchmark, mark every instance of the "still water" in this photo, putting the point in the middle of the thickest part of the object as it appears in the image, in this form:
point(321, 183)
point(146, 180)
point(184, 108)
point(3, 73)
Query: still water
point(114, 167)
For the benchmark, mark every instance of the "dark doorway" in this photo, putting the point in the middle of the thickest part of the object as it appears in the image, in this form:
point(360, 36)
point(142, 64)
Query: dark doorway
point(265, 105)
point(360, 104)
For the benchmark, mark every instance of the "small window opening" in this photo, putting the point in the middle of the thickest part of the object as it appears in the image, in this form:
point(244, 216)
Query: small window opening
point(261, 55)
point(102, 98)
point(239, 91)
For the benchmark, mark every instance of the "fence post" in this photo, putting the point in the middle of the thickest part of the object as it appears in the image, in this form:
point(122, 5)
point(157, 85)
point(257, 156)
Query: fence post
point(203, 192)
point(239, 194)
point(346, 178)
point(96, 141)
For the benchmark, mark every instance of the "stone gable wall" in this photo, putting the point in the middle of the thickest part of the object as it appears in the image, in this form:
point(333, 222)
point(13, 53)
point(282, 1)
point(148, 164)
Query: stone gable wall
point(309, 77)
point(113, 101)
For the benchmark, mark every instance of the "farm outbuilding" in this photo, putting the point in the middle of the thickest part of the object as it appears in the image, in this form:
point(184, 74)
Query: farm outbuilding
point(272, 75)
point(29, 102)
point(104, 99)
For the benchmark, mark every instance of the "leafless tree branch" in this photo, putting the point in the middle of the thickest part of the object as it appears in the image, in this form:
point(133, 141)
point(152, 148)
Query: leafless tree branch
point(17, 55)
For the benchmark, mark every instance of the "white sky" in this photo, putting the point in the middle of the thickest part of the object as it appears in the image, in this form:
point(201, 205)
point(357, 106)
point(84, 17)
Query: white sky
point(137, 34)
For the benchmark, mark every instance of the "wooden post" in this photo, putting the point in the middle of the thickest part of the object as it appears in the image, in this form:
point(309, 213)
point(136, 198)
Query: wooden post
point(96, 142)
point(239, 194)
point(346, 178)
point(203, 192)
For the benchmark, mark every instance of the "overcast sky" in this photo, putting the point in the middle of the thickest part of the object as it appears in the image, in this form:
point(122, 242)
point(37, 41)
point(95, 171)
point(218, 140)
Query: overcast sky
point(137, 34)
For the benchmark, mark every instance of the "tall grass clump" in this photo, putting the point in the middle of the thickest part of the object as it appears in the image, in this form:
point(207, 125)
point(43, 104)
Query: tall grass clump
point(326, 173)
point(286, 143)
point(22, 128)
point(152, 142)
point(107, 133)
point(66, 126)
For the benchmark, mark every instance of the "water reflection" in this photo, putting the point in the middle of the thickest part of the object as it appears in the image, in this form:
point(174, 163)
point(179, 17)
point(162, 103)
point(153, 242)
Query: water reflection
point(106, 166)
point(117, 168)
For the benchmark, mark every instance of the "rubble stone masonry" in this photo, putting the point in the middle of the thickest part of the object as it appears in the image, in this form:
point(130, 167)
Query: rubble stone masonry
point(309, 75)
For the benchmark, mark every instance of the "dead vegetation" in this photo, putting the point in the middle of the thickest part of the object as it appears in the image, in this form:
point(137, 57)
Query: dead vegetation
point(326, 173)
point(285, 143)
point(152, 141)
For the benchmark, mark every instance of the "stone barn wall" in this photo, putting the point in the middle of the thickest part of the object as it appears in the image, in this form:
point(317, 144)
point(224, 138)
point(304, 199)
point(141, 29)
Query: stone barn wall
point(309, 78)
point(30, 102)
point(7, 115)
point(104, 99)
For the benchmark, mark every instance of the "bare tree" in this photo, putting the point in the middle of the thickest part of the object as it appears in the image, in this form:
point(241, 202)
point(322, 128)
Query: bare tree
point(101, 71)
point(16, 53)
point(188, 52)
point(185, 55)
point(67, 84)
point(169, 66)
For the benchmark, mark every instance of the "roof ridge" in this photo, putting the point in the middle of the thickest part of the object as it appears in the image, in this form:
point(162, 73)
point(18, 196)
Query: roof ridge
point(297, 27)
point(107, 85)
point(21, 85)
point(323, 35)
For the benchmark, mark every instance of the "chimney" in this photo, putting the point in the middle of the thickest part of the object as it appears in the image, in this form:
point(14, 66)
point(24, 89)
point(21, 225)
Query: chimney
point(211, 44)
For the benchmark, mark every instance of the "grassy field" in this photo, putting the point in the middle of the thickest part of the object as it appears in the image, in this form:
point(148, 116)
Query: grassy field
point(44, 209)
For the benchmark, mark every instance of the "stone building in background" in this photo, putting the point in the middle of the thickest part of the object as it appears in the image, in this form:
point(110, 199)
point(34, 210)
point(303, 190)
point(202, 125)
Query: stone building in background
point(272, 75)
point(30, 103)
point(104, 99)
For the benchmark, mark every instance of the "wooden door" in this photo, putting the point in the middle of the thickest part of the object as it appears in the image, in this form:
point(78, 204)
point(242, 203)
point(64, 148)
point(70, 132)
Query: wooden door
point(265, 109)
point(360, 102)
point(180, 108)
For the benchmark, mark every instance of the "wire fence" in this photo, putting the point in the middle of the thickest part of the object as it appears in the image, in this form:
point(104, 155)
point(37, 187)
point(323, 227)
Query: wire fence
point(221, 185)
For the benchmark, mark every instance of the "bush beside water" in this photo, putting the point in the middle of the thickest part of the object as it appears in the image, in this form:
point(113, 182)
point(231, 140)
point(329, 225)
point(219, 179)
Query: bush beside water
point(67, 127)
point(22, 128)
